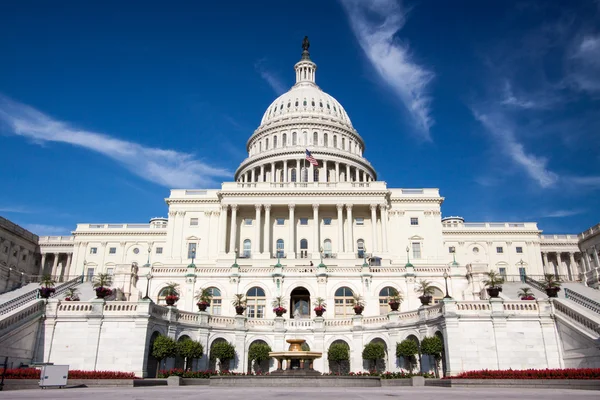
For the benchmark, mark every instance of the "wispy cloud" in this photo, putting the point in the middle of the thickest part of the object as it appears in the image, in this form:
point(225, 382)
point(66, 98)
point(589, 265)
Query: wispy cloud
point(165, 167)
point(585, 64)
point(392, 59)
point(47, 230)
point(270, 77)
point(539, 101)
point(504, 135)
point(590, 181)
point(16, 210)
point(562, 213)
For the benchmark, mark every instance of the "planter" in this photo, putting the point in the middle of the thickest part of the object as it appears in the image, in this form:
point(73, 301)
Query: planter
point(528, 298)
point(102, 292)
point(319, 312)
point(71, 299)
point(279, 313)
point(202, 306)
point(552, 292)
point(493, 292)
point(358, 310)
point(46, 292)
point(171, 300)
point(425, 300)
point(394, 306)
point(239, 310)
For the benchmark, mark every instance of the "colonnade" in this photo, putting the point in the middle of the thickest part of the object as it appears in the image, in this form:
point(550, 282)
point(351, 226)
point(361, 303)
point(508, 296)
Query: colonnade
point(561, 263)
point(54, 271)
point(591, 263)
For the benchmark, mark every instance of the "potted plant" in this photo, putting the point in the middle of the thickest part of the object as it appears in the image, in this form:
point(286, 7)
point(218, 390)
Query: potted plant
point(395, 299)
point(171, 293)
point(427, 290)
point(358, 303)
point(526, 294)
point(47, 286)
point(239, 303)
point(279, 306)
point(72, 294)
point(493, 283)
point(551, 285)
point(319, 306)
point(101, 284)
point(203, 296)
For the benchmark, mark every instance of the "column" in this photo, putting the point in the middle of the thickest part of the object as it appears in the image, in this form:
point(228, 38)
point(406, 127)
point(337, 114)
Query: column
point(42, 264)
point(55, 264)
point(285, 171)
point(573, 267)
point(384, 231)
point(311, 173)
point(350, 247)
point(267, 233)
point(325, 169)
point(374, 247)
point(222, 244)
point(68, 267)
point(233, 229)
point(545, 259)
point(256, 243)
point(340, 222)
point(348, 173)
point(262, 173)
point(595, 254)
point(298, 170)
point(272, 172)
point(292, 237)
point(253, 177)
point(356, 173)
point(337, 171)
point(316, 244)
point(363, 179)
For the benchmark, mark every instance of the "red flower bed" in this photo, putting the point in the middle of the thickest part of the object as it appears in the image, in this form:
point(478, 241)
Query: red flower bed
point(163, 373)
point(34, 373)
point(569, 373)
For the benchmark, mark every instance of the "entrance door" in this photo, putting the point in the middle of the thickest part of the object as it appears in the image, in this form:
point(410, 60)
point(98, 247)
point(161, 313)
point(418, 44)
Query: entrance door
point(522, 274)
point(300, 303)
point(90, 274)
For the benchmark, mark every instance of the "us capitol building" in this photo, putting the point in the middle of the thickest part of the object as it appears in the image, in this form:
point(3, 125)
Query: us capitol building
point(286, 226)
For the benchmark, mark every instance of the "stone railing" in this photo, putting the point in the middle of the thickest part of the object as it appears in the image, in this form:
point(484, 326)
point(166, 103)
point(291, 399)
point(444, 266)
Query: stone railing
point(221, 321)
point(586, 322)
point(523, 305)
point(14, 319)
point(378, 319)
point(257, 322)
point(582, 300)
point(476, 306)
point(300, 324)
point(589, 232)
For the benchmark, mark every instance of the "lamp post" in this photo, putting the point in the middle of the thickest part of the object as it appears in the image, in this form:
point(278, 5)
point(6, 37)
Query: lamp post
point(84, 268)
point(194, 256)
point(454, 263)
point(408, 264)
point(148, 262)
point(447, 296)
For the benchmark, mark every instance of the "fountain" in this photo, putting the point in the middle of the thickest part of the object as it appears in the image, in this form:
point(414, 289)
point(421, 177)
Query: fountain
point(298, 362)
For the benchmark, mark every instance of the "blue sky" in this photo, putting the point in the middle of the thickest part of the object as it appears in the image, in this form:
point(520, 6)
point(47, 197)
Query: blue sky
point(105, 105)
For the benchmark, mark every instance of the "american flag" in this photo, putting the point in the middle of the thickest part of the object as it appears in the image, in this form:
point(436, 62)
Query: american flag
point(311, 159)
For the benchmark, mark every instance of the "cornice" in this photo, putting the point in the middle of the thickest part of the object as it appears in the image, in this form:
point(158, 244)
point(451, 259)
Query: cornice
point(493, 232)
point(438, 200)
point(119, 233)
point(303, 193)
point(170, 201)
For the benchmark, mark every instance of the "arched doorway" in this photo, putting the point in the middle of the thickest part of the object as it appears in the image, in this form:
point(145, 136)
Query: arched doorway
point(261, 367)
point(151, 362)
point(340, 367)
point(414, 363)
point(380, 364)
point(212, 362)
point(180, 361)
point(300, 303)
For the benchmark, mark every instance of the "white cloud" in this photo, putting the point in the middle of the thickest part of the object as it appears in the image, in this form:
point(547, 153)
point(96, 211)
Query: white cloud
point(392, 59)
point(521, 101)
point(15, 210)
point(504, 135)
point(165, 167)
point(592, 181)
point(585, 64)
point(561, 213)
point(270, 77)
point(47, 230)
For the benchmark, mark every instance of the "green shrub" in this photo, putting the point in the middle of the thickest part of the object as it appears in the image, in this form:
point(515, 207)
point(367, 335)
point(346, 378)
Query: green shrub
point(373, 352)
point(338, 353)
point(408, 349)
point(164, 347)
point(189, 350)
point(259, 352)
point(223, 351)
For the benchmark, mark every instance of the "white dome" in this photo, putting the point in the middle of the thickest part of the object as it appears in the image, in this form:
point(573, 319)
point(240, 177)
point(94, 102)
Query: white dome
point(306, 99)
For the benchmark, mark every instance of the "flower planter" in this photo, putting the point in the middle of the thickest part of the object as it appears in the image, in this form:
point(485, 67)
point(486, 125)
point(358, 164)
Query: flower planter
point(202, 306)
point(528, 298)
point(552, 292)
point(46, 292)
point(425, 300)
point(171, 300)
point(493, 292)
point(394, 306)
point(319, 312)
point(102, 292)
point(71, 298)
point(279, 313)
point(239, 310)
point(358, 310)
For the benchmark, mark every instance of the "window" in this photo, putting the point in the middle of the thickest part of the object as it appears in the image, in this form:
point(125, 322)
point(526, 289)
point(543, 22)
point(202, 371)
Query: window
point(451, 249)
point(315, 139)
point(384, 295)
point(279, 221)
point(335, 141)
point(247, 252)
point(499, 250)
point(360, 247)
point(293, 173)
point(90, 274)
point(344, 302)
point(274, 142)
point(327, 248)
point(255, 302)
point(24, 257)
point(5, 249)
point(502, 272)
point(519, 250)
point(416, 248)
point(259, 147)
point(266, 144)
point(359, 221)
point(159, 250)
point(109, 271)
point(326, 221)
point(216, 301)
point(316, 174)
point(112, 250)
point(294, 136)
point(284, 140)
point(161, 299)
point(191, 250)
point(136, 251)
point(414, 221)
point(303, 248)
point(325, 140)
point(280, 248)
point(193, 221)
point(343, 143)
point(475, 250)
point(247, 221)
point(303, 221)
point(93, 250)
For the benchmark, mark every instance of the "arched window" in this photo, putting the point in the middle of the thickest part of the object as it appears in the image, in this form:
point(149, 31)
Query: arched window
point(343, 143)
point(384, 295)
point(327, 248)
point(325, 140)
point(335, 141)
point(304, 174)
point(316, 174)
point(255, 302)
point(343, 302)
point(161, 300)
point(315, 139)
point(360, 248)
point(303, 248)
point(274, 142)
point(216, 301)
point(267, 144)
point(305, 138)
point(293, 174)
point(280, 248)
point(259, 147)
point(284, 140)
point(294, 138)
point(247, 248)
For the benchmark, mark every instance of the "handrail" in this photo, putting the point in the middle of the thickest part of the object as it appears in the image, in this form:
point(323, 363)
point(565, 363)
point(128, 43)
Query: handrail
point(575, 316)
point(534, 283)
point(33, 294)
point(582, 300)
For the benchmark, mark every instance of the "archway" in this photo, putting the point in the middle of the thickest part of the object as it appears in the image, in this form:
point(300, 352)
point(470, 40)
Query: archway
point(444, 368)
point(414, 364)
point(212, 362)
point(300, 303)
point(261, 367)
point(339, 367)
point(180, 361)
point(151, 362)
point(380, 365)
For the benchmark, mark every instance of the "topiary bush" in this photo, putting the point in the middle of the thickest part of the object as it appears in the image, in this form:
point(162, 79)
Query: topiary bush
point(339, 353)
point(373, 352)
point(224, 352)
point(259, 352)
point(164, 347)
point(189, 350)
point(408, 349)
point(433, 347)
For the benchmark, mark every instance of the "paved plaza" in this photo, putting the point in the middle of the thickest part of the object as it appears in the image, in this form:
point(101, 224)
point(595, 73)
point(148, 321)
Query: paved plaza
point(205, 392)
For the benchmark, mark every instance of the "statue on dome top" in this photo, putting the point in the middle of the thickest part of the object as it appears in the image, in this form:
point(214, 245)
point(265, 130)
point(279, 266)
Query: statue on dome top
point(305, 43)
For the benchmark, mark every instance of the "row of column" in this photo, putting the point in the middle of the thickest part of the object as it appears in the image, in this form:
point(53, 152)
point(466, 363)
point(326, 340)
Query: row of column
point(344, 243)
point(591, 262)
point(269, 172)
point(54, 271)
point(567, 271)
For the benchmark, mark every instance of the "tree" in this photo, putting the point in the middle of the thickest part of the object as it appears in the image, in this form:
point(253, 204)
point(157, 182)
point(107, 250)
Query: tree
point(189, 350)
point(164, 347)
point(373, 352)
point(494, 279)
point(338, 353)
point(224, 352)
point(259, 352)
point(102, 281)
point(47, 281)
point(433, 347)
point(408, 349)
point(425, 288)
